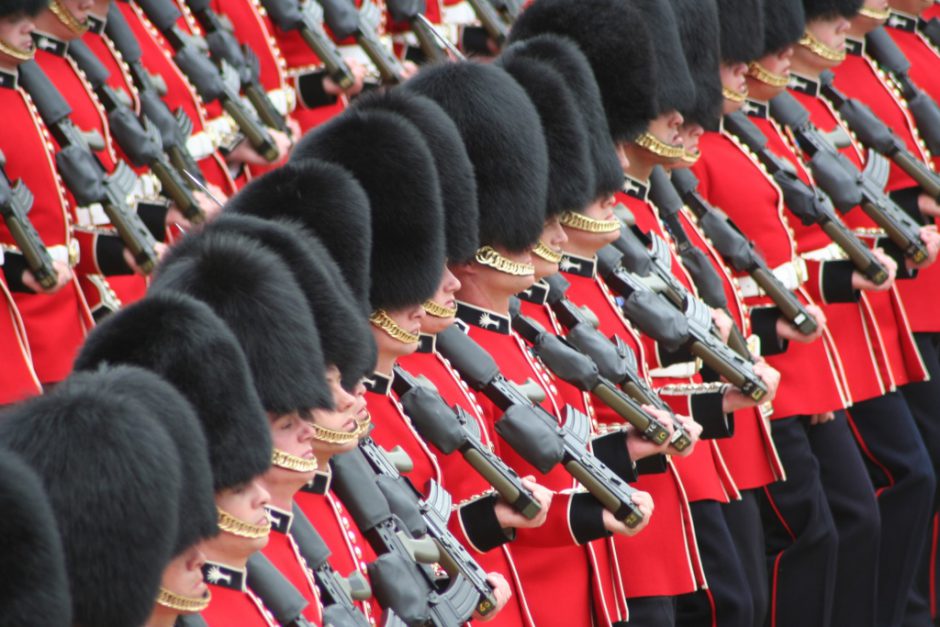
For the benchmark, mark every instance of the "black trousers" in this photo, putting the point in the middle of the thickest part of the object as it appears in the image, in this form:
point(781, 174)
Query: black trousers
point(747, 532)
point(727, 601)
point(652, 612)
point(904, 481)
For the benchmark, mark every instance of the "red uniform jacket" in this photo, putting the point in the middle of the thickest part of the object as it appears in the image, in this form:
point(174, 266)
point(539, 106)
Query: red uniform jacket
point(232, 602)
point(283, 553)
point(19, 380)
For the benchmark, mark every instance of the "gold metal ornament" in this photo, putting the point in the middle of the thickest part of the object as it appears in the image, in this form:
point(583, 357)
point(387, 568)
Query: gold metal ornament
point(546, 253)
point(180, 603)
point(285, 460)
point(581, 222)
point(382, 320)
point(65, 16)
point(820, 49)
point(436, 310)
point(880, 15)
point(20, 54)
point(658, 147)
point(758, 72)
point(242, 529)
point(488, 256)
point(332, 436)
point(732, 95)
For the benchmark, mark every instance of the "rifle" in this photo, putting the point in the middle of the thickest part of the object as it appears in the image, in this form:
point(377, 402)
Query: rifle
point(811, 205)
point(889, 56)
point(670, 328)
point(739, 252)
point(490, 19)
point(138, 138)
point(212, 84)
point(509, 10)
point(336, 592)
point(278, 594)
point(454, 430)
point(345, 21)
point(653, 254)
point(224, 47)
point(433, 44)
point(534, 433)
point(307, 19)
point(15, 202)
point(845, 184)
point(878, 136)
point(83, 173)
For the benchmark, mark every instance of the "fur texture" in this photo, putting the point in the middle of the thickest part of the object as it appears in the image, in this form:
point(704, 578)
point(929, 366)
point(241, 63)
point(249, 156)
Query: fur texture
point(742, 30)
point(392, 161)
point(112, 475)
point(27, 7)
point(34, 588)
point(454, 169)
point(615, 39)
point(701, 42)
point(251, 289)
point(566, 57)
point(570, 174)
point(784, 23)
point(177, 337)
point(326, 199)
point(501, 130)
point(343, 330)
point(674, 87)
point(816, 9)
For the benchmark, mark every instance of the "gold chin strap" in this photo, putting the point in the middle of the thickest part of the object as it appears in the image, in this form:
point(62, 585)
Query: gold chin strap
point(658, 147)
point(581, 222)
point(732, 95)
point(546, 253)
point(758, 72)
point(881, 15)
point(489, 257)
point(382, 320)
point(65, 16)
point(185, 605)
point(242, 529)
point(20, 54)
point(691, 157)
point(332, 436)
point(820, 49)
point(285, 460)
point(438, 311)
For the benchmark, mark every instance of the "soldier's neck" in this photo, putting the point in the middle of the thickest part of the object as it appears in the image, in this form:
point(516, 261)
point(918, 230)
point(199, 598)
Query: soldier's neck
point(282, 496)
point(639, 168)
point(385, 362)
point(479, 294)
point(215, 551)
point(800, 66)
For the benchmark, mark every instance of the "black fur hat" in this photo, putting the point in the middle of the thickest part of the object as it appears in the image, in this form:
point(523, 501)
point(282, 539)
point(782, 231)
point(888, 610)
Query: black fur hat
point(27, 7)
point(326, 199)
point(182, 340)
point(742, 30)
point(392, 161)
point(614, 37)
point(830, 8)
point(454, 169)
point(112, 474)
point(343, 329)
point(674, 86)
point(566, 57)
point(34, 588)
point(501, 130)
point(701, 40)
point(254, 293)
point(570, 174)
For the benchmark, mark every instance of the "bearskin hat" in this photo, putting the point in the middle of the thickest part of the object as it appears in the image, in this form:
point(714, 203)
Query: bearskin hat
point(816, 9)
point(742, 30)
point(701, 40)
point(112, 475)
point(392, 161)
point(254, 293)
point(566, 57)
point(182, 340)
point(34, 588)
point(344, 331)
point(455, 171)
point(784, 23)
point(26, 7)
point(674, 86)
point(326, 199)
point(615, 38)
point(570, 174)
point(501, 130)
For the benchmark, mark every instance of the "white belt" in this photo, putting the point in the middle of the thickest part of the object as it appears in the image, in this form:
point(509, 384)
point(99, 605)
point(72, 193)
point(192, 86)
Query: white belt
point(202, 144)
point(459, 14)
point(91, 215)
point(792, 274)
point(832, 252)
point(224, 129)
point(68, 254)
point(356, 52)
point(284, 99)
point(871, 233)
point(683, 370)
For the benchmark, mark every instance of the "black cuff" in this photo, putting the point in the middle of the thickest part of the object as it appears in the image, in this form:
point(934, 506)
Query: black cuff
point(310, 90)
point(586, 518)
point(680, 356)
point(612, 450)
point(481, 525)
point(894, 251)
point(707, 411)
point(764, 326)
point(835, 278)
point(153, 215)
point(14, 265)
point(109, 255)
point(908, 199)
point(474, 40)
point(652, 465)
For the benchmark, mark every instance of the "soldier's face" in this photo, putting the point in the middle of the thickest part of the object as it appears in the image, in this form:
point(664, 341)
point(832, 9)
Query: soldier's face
point(445, 297)
point(665, 127)
point(777, 63)
point(343, 417)
point(15, 31)
point(914, 7)
point(183, 575)
point(691, 134)
point(409, 319)
point(292, 434)
point(585, 243)
point(734, 78)
point(554, 237)
point(245, 502)
point(832, 33)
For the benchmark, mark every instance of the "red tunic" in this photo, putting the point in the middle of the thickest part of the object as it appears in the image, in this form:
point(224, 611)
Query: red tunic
point(283, 553)
point(233, 604)
point(19, 380)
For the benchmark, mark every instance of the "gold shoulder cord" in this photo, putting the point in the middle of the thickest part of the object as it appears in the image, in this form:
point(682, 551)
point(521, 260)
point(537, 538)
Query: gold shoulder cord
point(240, 528)
point(65, 16)
point(438, 311)
point(820, 49)
point(546, 253)
point(186, 605)
point(658, 147)
point(581, 222)
point(758, 72)
point(382, 320)
point(488, 256)
point(285, 460)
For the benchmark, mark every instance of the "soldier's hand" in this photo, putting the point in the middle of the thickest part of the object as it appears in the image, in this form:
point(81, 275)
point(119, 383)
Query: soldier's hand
point(359, 74)
point(932, 240)
point(644, 502)
point(63, 276)
point(160, 248)
point(640, 447)
point(509, 518)
point(723, 322)
point(693, 430)
point(245, 153)
point(410, 69)
point(861, 282)
point(771, 378)
point(501, 591)
point(928, 206)
point(789, 332)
